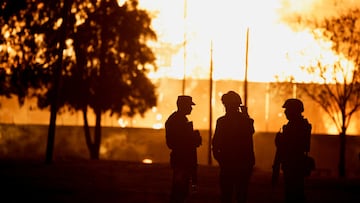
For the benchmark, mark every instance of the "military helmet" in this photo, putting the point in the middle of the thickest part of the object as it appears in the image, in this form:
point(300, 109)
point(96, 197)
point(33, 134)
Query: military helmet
point(231, 97)
point(294, 104)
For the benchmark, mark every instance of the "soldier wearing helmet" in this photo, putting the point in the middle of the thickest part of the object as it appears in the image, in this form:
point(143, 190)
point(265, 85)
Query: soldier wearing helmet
point(294, 105)
point(292, 146)
point(232, 147)
point(231, 99)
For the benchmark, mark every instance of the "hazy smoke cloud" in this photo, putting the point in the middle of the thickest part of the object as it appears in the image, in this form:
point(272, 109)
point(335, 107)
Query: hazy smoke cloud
point(317, 9)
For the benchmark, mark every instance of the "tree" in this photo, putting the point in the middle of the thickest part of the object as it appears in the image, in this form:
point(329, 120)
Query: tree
point(106, 71)
point(339, 91)
point(112, 61)
point(19, 69)
point(35, 35)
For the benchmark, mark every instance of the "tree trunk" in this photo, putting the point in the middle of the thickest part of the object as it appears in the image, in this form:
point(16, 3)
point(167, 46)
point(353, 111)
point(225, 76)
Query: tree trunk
point(342, 162)
point(97, 139)
point(56, 83)
point(88, 139)
point(51, 133)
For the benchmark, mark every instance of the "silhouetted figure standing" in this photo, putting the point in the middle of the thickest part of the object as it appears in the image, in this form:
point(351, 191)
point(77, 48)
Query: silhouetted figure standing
point(183, 140)
point(232, 147)
point(292, 145)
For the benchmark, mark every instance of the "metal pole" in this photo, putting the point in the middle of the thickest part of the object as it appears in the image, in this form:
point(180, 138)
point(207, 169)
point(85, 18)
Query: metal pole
point(210, 104)
point(294, 90)
point(185, 41)
point(246, 68)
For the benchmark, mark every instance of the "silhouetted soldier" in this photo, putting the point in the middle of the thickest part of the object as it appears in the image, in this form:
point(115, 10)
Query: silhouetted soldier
point(292, 145)
point(233, 149)
point(183, 141)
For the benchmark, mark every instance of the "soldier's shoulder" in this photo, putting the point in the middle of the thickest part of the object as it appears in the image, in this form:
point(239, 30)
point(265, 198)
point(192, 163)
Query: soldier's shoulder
point(306, 122)
point(171, 117)
point(245, 116)
point(221, 119)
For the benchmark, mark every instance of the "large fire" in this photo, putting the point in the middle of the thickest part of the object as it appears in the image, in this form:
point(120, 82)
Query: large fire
point(186, 30)
point(189, 27)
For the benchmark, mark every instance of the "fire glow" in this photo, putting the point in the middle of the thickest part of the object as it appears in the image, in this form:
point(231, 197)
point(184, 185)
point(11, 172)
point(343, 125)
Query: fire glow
point(185, 34)
point(188, 28)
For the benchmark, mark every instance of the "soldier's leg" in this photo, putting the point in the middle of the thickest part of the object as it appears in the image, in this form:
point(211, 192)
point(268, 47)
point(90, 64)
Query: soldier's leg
point(226, 187)
point(294, 187)
point(180, 185)
point(242, 184)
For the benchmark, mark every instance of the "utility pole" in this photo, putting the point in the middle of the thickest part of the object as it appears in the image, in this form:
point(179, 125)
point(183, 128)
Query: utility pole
point(246, 68)
point(185, 41)
point(210, 103)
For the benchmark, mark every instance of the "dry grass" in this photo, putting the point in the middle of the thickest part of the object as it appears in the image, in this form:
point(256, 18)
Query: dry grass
point(129, 182)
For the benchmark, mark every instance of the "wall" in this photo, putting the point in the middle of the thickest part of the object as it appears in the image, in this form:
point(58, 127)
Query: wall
point(264, 103)
point(136, 144)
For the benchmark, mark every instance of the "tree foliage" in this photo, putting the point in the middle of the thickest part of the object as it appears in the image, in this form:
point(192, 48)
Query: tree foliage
point(98, 50)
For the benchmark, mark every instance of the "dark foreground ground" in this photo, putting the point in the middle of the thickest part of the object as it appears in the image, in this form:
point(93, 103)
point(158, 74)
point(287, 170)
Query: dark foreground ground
point(127, 182)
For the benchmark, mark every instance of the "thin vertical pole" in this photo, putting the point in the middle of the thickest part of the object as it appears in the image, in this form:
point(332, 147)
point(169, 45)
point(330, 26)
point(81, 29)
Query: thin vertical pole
point(210, 103)
point(246, 68)
point(267, 106)
point(294, 95)
point(185, 41)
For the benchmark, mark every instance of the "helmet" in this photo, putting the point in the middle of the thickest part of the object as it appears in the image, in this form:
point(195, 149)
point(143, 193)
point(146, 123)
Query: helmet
point(294, 104)
point(231, 97)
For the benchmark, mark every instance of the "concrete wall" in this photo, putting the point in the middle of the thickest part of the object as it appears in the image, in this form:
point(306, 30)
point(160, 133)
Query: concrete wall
point(136, 144)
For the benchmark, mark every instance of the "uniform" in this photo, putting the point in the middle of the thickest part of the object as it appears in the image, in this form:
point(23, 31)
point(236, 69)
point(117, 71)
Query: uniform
point(292, 145)
point(232, 147)
point(182, 140)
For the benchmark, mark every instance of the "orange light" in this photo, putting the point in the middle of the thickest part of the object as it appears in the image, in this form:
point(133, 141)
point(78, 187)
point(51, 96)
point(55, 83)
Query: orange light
point(147, 161)
point(273, 45)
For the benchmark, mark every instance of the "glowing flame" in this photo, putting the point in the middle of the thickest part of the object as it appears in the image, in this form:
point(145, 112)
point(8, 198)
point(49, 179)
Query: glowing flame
point(122, 122)
point(273, 45)
point(147, 161)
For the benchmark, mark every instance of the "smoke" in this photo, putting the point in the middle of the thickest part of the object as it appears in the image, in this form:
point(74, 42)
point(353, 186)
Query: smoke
point(289, 10)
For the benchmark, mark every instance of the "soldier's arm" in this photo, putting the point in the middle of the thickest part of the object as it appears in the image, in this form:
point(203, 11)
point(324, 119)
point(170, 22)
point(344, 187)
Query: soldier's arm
point(308, 138)
point(215, 142)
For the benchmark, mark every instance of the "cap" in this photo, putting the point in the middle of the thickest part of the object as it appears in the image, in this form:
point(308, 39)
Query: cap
point(231, 97)
point(184, 100)
point(294, 104)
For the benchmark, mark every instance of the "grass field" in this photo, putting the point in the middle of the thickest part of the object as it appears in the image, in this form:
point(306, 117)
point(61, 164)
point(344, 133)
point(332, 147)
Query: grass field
point(85, 181)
